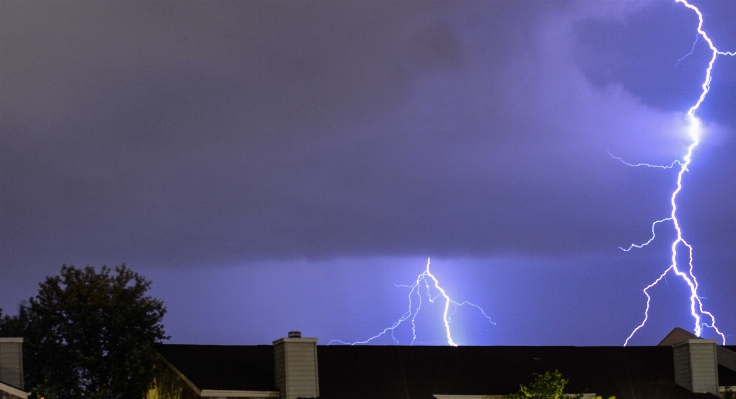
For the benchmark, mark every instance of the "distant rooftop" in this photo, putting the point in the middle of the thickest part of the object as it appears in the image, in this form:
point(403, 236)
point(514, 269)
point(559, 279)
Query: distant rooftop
point(421, 371)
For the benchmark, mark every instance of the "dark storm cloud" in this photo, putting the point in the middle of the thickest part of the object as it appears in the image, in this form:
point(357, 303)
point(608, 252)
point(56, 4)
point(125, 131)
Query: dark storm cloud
point(654, 63)
point(189, 133)
point(330, 147)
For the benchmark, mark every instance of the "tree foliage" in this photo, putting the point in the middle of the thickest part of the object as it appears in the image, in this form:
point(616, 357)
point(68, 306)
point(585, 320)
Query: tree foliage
point(549, 385)
point(90, 334)
point(14, 326)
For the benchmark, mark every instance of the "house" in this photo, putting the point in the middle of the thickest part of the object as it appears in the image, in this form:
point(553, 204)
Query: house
point(682, 366)
point(11, 369)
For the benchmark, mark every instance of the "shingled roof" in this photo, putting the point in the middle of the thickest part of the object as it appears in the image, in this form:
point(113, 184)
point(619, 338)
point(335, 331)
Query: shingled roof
point(221, 367)
point(422, 371)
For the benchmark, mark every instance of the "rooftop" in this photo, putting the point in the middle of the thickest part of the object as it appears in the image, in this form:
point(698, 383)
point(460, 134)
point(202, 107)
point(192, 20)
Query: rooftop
point(422, 371)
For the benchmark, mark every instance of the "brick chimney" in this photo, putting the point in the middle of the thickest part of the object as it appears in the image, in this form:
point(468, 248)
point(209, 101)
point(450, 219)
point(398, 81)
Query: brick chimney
point(696, 365)
point(295, 366)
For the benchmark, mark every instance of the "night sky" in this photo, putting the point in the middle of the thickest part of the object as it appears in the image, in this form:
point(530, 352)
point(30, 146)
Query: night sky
point(276, 166)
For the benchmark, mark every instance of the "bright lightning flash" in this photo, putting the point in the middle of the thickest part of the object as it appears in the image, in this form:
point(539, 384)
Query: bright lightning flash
point(696, 305)
point(427, 279)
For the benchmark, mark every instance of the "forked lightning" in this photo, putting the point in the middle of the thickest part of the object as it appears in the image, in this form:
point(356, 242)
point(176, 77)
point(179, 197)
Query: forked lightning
point(429, 280)
point(696, 305)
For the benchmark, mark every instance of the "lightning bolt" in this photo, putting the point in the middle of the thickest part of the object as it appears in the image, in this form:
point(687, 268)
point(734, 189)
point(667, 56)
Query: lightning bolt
point(696, 305)
point(424, 278)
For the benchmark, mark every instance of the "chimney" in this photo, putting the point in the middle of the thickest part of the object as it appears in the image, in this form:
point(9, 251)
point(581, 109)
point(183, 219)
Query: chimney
point(696, 365)
point(295, 366)
point(11, 362)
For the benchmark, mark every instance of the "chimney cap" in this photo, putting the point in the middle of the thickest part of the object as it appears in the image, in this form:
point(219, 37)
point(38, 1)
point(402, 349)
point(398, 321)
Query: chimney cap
point(295, 334)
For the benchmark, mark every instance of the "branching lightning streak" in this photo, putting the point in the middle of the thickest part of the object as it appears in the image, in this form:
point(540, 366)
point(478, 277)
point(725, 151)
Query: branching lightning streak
point(696, 305)
point(640, 246)
point(411, 313)
point(691, 51)
point(648, 165)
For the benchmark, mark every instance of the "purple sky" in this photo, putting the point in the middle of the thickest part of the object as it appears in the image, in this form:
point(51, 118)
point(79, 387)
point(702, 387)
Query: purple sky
point(273, 166)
